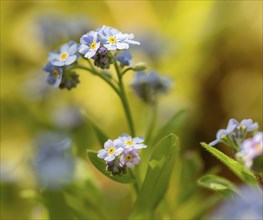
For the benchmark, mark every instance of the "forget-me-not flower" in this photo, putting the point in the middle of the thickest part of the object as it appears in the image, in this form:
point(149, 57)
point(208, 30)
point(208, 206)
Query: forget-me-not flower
point(53, 163)
point(112, 149)
point(235, 132)
point(124, 58)
point(55, 74)
point(89, 44)
point(130, 143)
point(66, 55)
point(148, 86)
point(251, 148)
point(130, 158)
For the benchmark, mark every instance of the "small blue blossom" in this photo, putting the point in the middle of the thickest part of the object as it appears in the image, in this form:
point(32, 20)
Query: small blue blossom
point(55, 74)
point(66, 55)
point(112, 149)
point(130, 143)
point(53, 163)
point(148, 86)
point(124, 58)
point(247, 205)
point(235, 132)
point(113, 39)
point(89, 44)
point(130, 158)
point(251, 148)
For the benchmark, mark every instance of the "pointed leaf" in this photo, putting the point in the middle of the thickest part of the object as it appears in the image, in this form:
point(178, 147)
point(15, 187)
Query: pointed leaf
point(218, 184)
point(157, 177)
point(172, 126)
point(244, 174)
point(101, 166)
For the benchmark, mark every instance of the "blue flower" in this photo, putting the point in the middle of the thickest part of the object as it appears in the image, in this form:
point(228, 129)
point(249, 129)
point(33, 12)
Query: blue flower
point(235, 132)
point(89, 44)
point(130, 143)
point(247, 205)
point(55, 74)
point(112, 149)
point(251, 148)
point(113, 39)
point(66, 55)
point(53, 163)
point(148, 86)
point(124, 58)
point(130, 158)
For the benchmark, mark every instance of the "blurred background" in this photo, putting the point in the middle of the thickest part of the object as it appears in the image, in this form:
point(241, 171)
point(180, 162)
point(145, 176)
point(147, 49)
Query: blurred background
point(211, 49)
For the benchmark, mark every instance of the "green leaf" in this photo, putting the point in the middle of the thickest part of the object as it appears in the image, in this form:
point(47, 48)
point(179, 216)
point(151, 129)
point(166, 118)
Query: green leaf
point(57, 205)
point(157, 177)
point(101, 166)
point(218, 184)
point(244, 174)
point(172, 126)
point(102, 137)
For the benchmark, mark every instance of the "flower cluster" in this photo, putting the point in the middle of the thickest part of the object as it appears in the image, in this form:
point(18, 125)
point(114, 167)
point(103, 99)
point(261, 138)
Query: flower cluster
point(121, 153)
point(149, 86)
point(98, 44)
point(235, 133)
point(247, 150)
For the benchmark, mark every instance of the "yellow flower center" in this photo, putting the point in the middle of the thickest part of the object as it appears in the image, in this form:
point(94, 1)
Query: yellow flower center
point(128, 157)
point(129, 143)
point(224, 137)
point(55, 73)
point(63, 56)
point(112, 40)
point(111, 150)
point(93, 45)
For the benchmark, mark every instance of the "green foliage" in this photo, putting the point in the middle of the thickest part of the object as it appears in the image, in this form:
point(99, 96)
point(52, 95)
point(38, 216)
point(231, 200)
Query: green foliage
point(172, 126)
point(101, 166)
point(219, 184)
point(244, 174)
point(157, 177)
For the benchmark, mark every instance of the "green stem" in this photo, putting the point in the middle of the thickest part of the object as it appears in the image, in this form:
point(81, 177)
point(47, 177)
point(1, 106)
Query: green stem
point(124, 100)
point(102, 76)
point(135, 184)
point(126, 70)
point(152, 123)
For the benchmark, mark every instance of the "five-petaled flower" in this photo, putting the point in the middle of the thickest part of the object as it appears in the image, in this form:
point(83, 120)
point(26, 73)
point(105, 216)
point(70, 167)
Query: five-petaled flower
point(112, 149)
point(55, 74)
point(89, 44)
point(130, 158)
point(66, 55)
point(130, 143)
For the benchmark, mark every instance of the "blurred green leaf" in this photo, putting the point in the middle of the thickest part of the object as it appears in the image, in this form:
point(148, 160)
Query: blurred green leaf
point(219, 184)
point(57, 206)
point(102, 137)
point(101, 166)
point(157, 177)
point(172, 126)
point(244, 174)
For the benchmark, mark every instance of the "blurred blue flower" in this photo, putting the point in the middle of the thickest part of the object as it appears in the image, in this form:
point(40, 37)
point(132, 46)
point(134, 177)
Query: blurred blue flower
point(53, 163)
point(66, 55)
point(247, 205)
point(89, 44)
point(149, 86)
point(113, 39)
point(55, 74)
point(251, 148)
point(130, 158)
point(124, 58)
point(130, 143)
point(235, 132)
point(111, 150)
